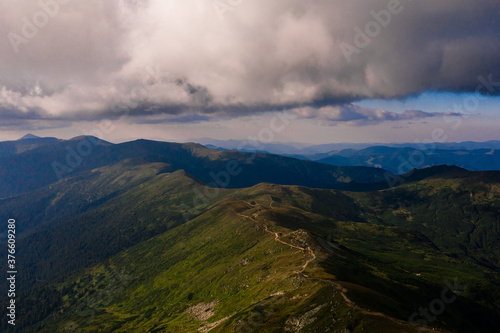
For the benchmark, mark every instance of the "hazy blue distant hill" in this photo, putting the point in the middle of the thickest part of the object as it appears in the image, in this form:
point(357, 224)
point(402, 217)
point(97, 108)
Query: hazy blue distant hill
point(249, 145)
point(395, 157)
point(29, 136)
point(401, 160)
point(26, 143)
point(315, 152)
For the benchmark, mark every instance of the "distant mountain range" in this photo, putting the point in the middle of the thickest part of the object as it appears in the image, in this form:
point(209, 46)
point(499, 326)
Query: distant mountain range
point(397, 158)
point(402, 160)
point(309, 151)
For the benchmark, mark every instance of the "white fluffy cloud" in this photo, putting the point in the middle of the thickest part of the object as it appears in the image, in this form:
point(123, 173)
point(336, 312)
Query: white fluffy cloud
point(88, 59)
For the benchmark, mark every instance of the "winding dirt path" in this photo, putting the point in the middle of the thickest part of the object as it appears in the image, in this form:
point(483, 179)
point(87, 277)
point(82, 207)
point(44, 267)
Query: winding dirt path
point(277, 237)
point(337, 286)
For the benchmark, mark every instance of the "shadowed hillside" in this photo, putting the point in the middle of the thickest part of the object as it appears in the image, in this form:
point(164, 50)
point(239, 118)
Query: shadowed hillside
point(30, 170)
point(128, 247)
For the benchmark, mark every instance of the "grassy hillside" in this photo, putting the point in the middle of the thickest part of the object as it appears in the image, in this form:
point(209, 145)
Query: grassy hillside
point(84, 219)
point(458, 210)
point(268, 258)
point(31, 170)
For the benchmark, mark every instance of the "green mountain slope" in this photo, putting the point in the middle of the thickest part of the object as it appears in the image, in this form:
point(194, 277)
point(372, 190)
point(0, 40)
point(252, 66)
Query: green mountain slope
point(457, 209)
point(143, 253)
point(45, 165)
point(84, 219)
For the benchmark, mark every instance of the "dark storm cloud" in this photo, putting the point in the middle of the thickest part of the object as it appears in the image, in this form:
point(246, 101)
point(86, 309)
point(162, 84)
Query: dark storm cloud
point(10, 114)
point(97, 59)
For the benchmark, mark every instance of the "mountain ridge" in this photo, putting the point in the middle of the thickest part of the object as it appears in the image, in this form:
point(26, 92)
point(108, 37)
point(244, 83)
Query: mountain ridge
point(62, 158)
point(352, 258)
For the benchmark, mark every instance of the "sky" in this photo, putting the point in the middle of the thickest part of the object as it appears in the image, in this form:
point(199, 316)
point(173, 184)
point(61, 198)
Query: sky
point(284, 70)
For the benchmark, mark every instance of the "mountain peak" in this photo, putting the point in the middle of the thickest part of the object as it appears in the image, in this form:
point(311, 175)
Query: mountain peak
point(29, 136)
point(91, 138)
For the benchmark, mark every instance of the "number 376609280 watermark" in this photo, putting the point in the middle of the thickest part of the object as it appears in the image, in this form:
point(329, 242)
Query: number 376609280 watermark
point(11, 271)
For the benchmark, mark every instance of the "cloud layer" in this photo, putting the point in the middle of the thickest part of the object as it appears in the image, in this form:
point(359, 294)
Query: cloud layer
point(356, 115)
point(89, 59)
